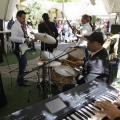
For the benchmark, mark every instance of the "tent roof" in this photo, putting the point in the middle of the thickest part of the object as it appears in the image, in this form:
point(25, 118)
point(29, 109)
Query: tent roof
point(112, 6)
point(77, 9)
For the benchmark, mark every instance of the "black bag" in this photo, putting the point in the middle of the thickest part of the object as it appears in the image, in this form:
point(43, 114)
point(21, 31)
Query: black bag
point(3, 100)
point(51, 34)
point(113, 69)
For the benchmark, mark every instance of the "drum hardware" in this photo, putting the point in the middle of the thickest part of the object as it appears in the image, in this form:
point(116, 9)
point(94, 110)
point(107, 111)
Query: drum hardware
point(43, 66)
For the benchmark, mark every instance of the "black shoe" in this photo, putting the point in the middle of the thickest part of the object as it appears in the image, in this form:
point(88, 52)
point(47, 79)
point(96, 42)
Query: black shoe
point(23, 84)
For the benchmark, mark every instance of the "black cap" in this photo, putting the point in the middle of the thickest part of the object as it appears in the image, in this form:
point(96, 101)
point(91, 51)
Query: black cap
point(96, 36)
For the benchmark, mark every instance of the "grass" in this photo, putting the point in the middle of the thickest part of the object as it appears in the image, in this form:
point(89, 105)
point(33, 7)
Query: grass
point(17, 96)
point(13, 60)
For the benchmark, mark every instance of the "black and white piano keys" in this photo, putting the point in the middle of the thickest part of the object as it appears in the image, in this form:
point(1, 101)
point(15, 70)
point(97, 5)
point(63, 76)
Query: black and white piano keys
point(74, 104)
point(86, 112)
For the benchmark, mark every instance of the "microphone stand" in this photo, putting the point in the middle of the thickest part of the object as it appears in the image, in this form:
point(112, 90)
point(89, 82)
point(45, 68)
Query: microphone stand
point(44, 68)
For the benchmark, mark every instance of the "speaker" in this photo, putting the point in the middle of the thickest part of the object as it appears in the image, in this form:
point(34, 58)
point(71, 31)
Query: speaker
point(115, 29)
point(3, 100)
point(1, 57)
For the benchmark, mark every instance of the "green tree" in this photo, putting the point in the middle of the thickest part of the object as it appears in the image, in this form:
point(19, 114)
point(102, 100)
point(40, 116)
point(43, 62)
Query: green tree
point(94, 20)
point(34, 13)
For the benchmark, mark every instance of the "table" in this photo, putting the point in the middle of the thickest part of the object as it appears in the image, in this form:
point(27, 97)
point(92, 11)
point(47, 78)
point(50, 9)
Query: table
point(7, 44)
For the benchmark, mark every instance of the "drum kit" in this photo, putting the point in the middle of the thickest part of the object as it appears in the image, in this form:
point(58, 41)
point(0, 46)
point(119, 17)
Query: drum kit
point(59, 73)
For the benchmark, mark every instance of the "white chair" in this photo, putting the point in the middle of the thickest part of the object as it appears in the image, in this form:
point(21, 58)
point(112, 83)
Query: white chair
point(7, 46)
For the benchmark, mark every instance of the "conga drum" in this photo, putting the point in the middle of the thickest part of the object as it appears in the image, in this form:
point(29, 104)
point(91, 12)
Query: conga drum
point(75, 55)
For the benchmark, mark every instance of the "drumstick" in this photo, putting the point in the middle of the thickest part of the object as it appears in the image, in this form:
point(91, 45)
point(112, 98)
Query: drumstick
point(68, 72)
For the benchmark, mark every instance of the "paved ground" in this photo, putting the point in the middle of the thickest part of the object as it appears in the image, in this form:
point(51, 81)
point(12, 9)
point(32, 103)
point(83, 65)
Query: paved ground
point(30, 66)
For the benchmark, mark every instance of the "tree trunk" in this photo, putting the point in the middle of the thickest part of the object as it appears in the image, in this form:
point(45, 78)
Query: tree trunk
point(2, 35)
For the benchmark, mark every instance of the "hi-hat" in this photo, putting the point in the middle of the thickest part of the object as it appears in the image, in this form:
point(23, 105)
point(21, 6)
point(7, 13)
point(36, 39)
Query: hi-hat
point(45, 38)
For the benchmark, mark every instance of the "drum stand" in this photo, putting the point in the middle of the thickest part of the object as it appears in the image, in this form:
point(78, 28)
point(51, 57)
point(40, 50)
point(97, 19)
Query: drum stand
point(38, 85)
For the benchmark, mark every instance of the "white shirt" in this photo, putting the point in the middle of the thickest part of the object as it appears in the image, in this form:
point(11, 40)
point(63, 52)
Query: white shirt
point(17, 34)
point(93, 53)
point(86, 31)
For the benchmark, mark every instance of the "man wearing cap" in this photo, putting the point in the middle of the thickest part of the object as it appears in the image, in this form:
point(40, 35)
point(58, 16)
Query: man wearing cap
point(97, 66)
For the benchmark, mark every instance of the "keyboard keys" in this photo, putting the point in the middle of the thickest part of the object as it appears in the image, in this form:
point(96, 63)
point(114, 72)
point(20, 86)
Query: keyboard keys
point(82, 114)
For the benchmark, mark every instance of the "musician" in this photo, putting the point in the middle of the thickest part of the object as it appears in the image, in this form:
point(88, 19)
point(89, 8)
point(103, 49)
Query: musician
point(109, 109)
point(50, 28)
point(18, 37)
point(85, 31)
point(97, 66)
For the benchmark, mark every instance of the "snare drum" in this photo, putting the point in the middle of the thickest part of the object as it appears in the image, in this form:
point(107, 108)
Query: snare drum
point(75, 56)
point(63, 74)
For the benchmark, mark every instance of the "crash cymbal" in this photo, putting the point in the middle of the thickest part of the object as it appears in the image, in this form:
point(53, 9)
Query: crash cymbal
point(45, 38)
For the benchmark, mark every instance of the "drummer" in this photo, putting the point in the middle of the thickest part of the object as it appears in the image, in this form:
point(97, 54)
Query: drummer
point(97, 65)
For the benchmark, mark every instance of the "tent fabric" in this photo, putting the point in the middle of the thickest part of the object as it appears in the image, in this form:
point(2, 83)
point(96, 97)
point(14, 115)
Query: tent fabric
point(73, 10)
point(112, 6)
point(7, 7)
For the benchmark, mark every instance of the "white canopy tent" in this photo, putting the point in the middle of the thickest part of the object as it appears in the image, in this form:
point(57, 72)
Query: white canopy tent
point(73, 10)
point(7, 7)
point(113, 6)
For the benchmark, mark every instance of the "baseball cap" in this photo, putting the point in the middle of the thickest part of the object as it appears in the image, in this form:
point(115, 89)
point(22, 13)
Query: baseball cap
point(96, 36)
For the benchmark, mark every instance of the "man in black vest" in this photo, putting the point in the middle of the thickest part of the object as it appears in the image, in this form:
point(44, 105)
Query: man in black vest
point(50, 28)
point(97, 65)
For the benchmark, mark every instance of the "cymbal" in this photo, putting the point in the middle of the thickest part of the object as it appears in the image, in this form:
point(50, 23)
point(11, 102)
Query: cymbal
point(52, 64)
point(45, 38)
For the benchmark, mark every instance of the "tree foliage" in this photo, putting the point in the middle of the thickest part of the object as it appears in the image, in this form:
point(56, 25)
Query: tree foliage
point(34, 13)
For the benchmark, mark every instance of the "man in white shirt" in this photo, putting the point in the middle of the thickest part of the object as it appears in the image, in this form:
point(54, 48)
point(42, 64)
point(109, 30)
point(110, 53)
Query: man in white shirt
point(18, 37)
point(85, 31)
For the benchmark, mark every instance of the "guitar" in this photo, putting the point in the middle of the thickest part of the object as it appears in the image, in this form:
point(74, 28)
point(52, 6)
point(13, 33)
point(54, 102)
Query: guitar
point(24, 47)
point(73, 28)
